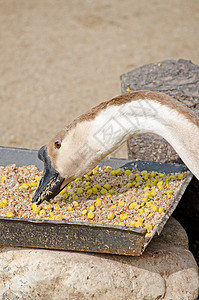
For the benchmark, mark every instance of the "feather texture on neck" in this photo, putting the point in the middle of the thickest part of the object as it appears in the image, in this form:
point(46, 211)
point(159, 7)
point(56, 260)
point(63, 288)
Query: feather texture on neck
point(104, 128)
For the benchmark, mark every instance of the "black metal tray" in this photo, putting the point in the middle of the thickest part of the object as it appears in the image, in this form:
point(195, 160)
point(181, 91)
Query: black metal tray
point(77, 236)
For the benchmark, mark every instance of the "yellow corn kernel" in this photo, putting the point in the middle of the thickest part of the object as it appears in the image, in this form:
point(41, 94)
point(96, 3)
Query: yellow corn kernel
point(111, 192)
point(113, 206)
point(119, 172)
point(154, 207)
point(63, 191)
point(56, 207)
point(137, 206)
point(42, 213)
point(103, 191)
point(65, 196)
point(123, 217)
point(161, 175)
point(149, 227)
point(132, 205)
point(34, 206)
point(121, 203)
point(51, 214)
point(146, 210)
point(121, 224)
point(146, 177)
point(107, 186)
point(3, 178)
point(113, 173)
point(127, 196)
point(98, 201)
point(98, 186)
point(69, 208)
point(111, 216)
point(181, 176)
point(33, 184)
point(160, 210)
point(148, 194)
point(156, 201)
point(144, 173)
point(74, 197)
point(132, 223)
point(3, 203)
point(108, 169)
point(138, 224)
point(169, 193)
point(92, 208)
point(137, 184)
point(90, 215)
point(127, 172)
point(141, 211)
point(36, 210)
point(87, 177)
point(153, 192)
point(94, 190)
point(89, 191)
point(77, 179)
point(95, 171)
point(129, 184)
point(139, 219)
point(150, 215)
point(160, 185)
point(80, 191)
point(84, 212)
point(10, 214)
point(148, 203)
point(153, 174)
point(147, 186)
point(75, 203)
point(24, 185)
point(109, 195)
point(138, 178)
point(38, 178)
point(48, 206)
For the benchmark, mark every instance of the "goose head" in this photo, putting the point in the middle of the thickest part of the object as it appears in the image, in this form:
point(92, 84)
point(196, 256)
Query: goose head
point(62, 164)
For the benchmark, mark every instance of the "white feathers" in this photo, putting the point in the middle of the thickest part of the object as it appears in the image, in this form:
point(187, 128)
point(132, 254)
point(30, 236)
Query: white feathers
point(91, 140)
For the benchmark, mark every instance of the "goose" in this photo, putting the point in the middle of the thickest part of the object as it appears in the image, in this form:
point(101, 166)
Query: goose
point(81, 145)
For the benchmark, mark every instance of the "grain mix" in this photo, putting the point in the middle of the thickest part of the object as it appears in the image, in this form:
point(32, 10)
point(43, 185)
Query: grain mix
point(104, 196)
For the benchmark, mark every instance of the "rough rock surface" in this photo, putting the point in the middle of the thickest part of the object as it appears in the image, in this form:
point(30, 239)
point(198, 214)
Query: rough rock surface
point(179, 79)
point(166, 270)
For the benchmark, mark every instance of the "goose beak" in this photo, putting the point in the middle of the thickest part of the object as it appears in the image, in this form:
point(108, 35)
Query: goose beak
point(51, 181)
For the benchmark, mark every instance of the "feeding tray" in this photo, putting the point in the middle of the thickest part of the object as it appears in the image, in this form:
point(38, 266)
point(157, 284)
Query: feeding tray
point(78, 236)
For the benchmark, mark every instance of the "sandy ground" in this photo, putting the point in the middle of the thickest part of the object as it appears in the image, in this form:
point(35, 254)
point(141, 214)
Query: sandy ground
point(60, 58)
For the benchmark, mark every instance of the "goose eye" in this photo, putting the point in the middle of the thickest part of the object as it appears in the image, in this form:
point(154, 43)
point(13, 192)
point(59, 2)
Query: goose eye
point(57, 144)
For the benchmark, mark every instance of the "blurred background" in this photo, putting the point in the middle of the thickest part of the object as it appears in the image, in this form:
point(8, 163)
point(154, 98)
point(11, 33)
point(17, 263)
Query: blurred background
point(60, 58)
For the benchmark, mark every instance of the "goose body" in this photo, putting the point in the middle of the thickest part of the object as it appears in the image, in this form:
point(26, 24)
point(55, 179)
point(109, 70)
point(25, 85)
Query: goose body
point(80, 146)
